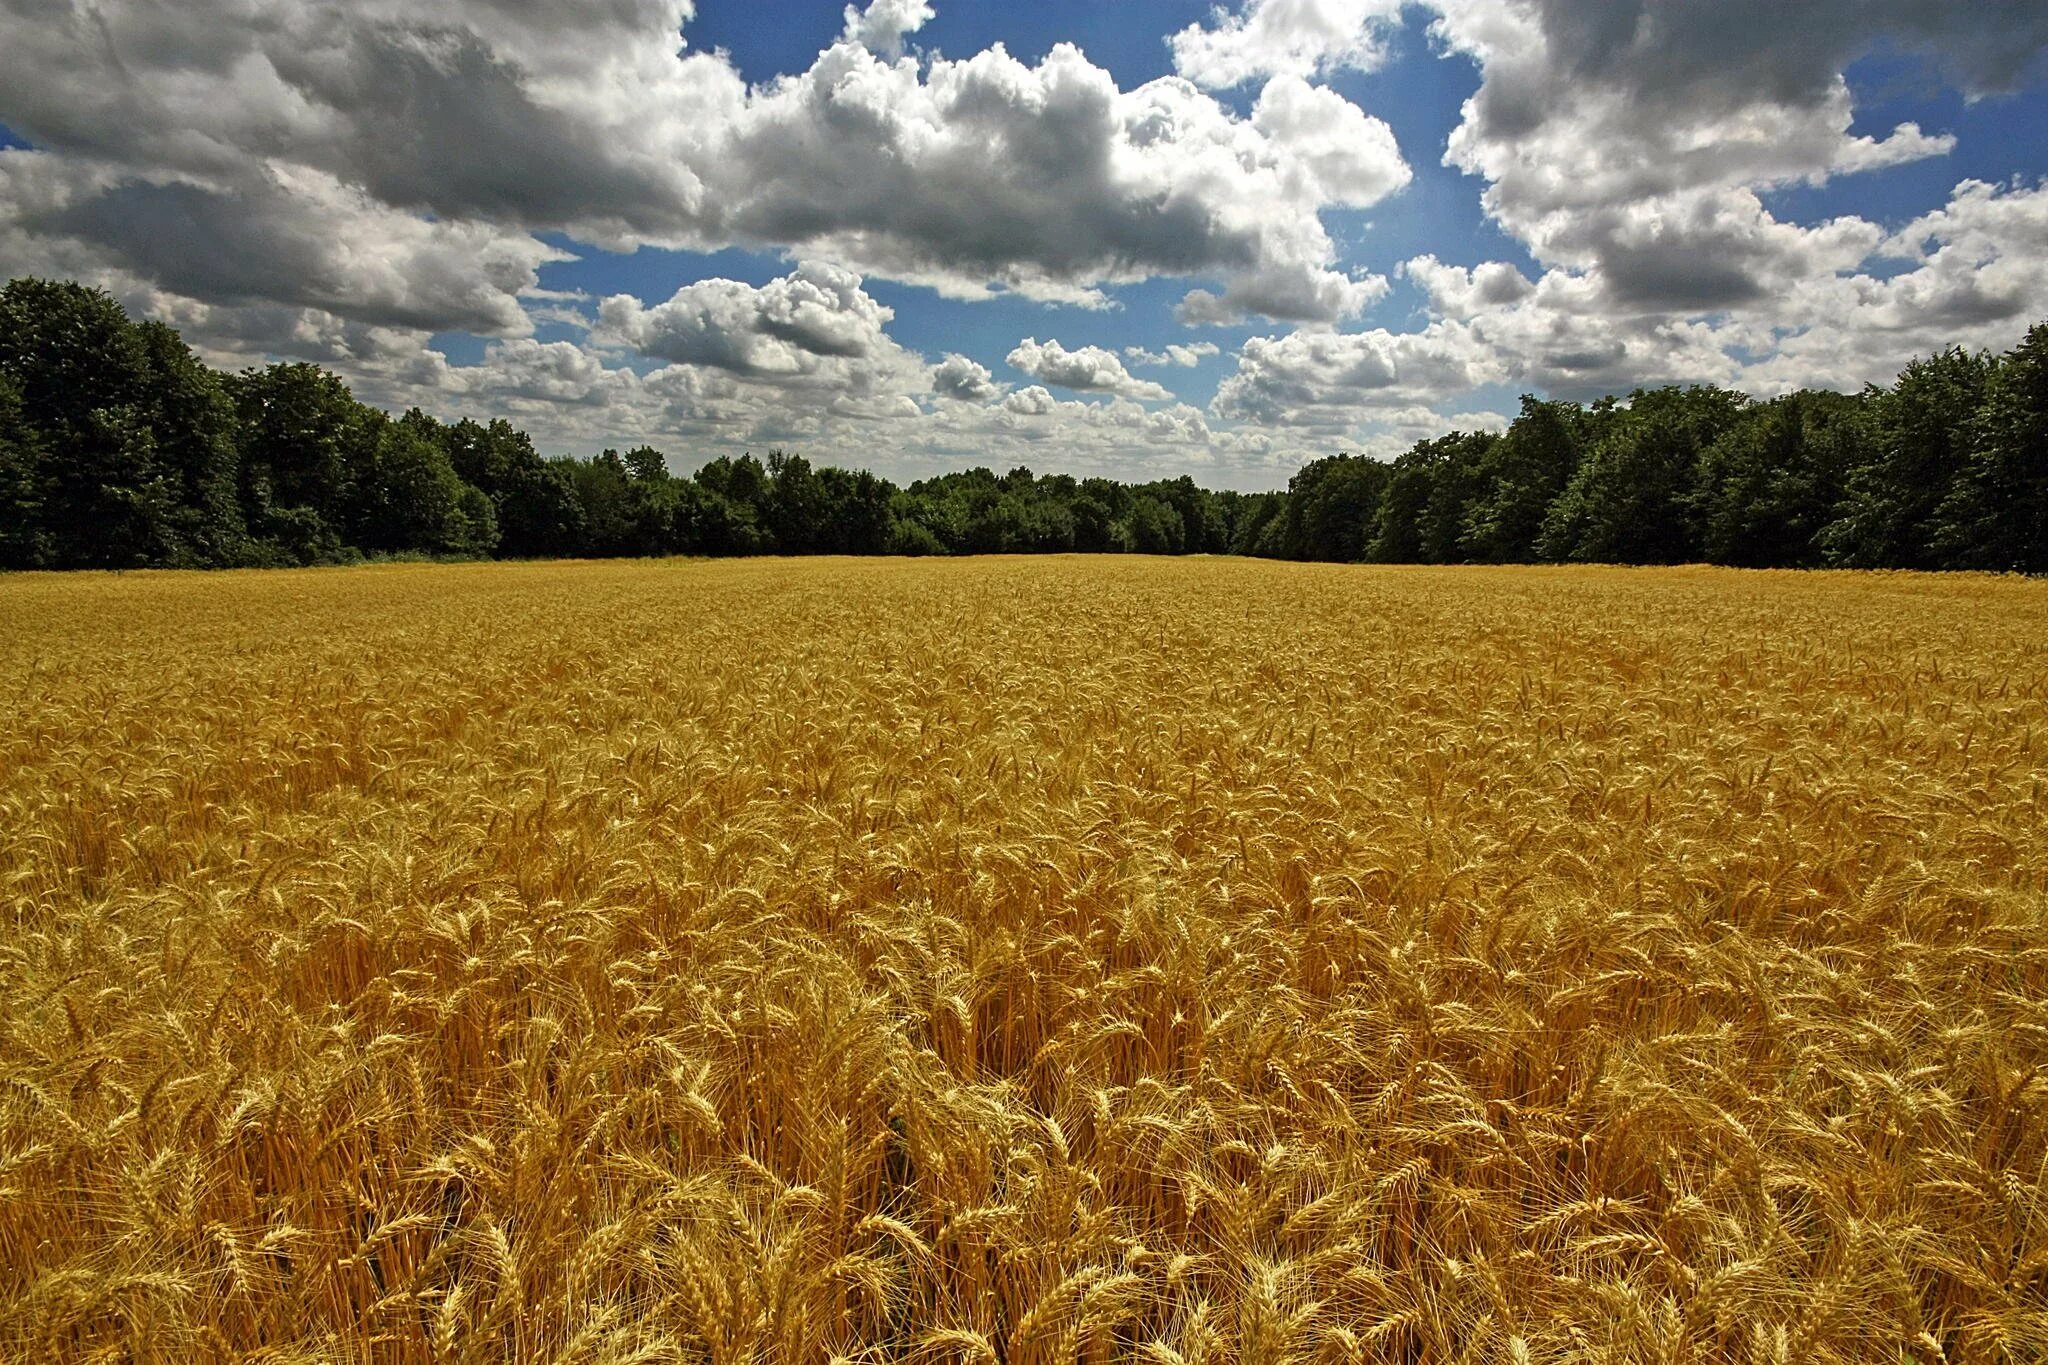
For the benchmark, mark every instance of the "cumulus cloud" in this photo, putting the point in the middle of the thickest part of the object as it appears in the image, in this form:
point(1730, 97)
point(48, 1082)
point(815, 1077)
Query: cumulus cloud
point(974, 176)
point(1696, 60)
point(1971, 273)
point(1186, 357)
point(552, 372)
point(1090, 369)
point(284, 236)
point(989, 174)
point(1300, 38)
point(1338, 154)
point(1036, 401)
point(1459, 292)
point(1179, 437)
point(1325, 296)
point(1324, 379)
point(1982, 257)
point(726, 383)
point(1633, 140)
point(814, 328)
point(1630, 145)
point(342, 182)
point(883, 26)
point(538, 115)
point(1632, 137)
point(964, 380)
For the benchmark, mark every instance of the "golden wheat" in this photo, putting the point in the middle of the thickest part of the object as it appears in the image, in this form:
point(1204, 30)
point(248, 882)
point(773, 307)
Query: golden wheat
point(1023, 961)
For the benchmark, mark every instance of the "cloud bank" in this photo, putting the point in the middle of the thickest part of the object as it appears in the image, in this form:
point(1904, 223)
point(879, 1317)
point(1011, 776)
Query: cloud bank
point(346, 183)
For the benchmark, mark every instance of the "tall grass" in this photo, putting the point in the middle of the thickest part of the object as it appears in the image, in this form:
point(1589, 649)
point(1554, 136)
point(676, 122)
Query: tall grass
point(1023, 961)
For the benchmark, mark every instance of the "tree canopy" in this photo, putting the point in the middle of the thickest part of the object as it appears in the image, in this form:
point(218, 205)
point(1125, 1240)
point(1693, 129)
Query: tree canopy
point(119, 448)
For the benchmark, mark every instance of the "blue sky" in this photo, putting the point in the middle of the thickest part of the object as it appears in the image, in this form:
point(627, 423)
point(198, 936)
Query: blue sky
point(1220, 240)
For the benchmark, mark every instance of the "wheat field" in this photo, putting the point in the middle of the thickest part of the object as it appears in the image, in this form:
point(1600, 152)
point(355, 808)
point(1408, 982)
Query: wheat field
point(1023, 961)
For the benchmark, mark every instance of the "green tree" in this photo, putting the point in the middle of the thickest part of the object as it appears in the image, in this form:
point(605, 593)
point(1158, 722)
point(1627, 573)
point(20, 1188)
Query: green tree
point(1996, 515)
point(1331, 508)
point(744, 485)
point(1768, 486)
point(534, 502)
point(1918, 442)
point(406, 498)
point(306, 445)
point(24, 544)
point(1458, 483)
point(634, 508)
point(1203, 530)
point(911, 537)
point(118, 447)
point(937, 516)
point(1520, 476)
point(1156, 526)
point(1246, 517)
point(194, 425)
point(107, 493)
point(1397, 534)
point(1429, 492)
point(645, 464)
point(797, 506)
point(1101, 517)
point(1630, 501)
point(602, 494)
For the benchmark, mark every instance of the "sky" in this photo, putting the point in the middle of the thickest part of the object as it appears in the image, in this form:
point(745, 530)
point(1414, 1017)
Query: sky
point(1145, 238)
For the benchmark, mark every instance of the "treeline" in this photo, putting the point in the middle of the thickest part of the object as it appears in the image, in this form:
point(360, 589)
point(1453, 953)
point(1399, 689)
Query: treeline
point(119, 449)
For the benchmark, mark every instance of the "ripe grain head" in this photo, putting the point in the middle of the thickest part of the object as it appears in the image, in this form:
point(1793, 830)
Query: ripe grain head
point(1023, 960)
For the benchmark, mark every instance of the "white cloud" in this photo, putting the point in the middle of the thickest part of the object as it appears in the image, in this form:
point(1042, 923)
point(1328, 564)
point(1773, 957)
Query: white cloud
point(1630, 145)
point(816, 328)
point(883, 26)
point(553, 372)
point(1186, 357)
point(1458, 292)
point(964, 380)
point(1976, 273)
point(1627, 144)
point(1976, 276)
point(1298, 38)
point(987, 173)
point(973, 176)
point(340, 182)
point(1338, 154)
point(1324, 296)
point(1633, 139)
point(1090, 369)
point(1036, 401)
point(286, 236)
point(1331, 381)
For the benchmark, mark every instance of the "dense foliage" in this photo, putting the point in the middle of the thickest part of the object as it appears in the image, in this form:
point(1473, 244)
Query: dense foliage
point(119, 448)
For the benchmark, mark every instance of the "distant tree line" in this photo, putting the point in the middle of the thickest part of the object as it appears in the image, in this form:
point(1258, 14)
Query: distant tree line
point(119, 449)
